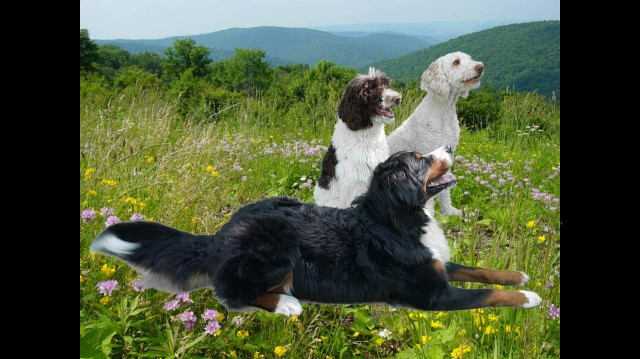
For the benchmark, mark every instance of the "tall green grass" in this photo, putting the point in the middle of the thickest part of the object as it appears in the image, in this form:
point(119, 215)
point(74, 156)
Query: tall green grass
point(138, 155)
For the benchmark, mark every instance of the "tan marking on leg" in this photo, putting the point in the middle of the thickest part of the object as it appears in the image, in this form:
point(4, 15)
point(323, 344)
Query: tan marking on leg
point(482, 275)
point(268, 301)
point(439, 266)
point(283, 287)
point(506, 298)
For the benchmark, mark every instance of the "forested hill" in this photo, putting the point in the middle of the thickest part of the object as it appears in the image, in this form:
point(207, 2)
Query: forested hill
point(292, 45)
point(521, 57)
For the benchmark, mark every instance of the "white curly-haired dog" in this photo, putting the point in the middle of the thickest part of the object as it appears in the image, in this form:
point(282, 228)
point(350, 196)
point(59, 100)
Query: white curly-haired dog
point(359, 142)
point(434, 123)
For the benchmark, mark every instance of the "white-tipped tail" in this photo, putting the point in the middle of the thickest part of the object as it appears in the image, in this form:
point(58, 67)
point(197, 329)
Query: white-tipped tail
point(373, 71)
point(109, 243)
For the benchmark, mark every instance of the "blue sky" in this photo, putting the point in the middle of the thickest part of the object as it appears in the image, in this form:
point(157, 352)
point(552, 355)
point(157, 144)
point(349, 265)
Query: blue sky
point(152, 19)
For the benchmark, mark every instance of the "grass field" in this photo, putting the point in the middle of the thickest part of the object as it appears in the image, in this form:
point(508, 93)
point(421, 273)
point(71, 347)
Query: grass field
point(140, 159)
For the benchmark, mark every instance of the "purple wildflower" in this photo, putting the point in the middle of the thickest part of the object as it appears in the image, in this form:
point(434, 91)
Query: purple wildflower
point(88, 215)
point(554, 312)
point(183, 297)
point(310, 151)
point(210, 314)
point(107, 286)
point(212, 327)
point(106, 211)
point(188, 318)
point(137, 217)
point(137, 286)
point(111, 220)
point(237, 320)
point(244, 178)
point(171, 305)
point(237, 167)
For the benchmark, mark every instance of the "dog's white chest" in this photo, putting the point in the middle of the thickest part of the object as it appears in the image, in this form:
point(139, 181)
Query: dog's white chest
point(435, 240)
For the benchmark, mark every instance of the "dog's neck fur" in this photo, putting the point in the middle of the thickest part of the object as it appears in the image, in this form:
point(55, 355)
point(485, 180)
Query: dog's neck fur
point(447, 103)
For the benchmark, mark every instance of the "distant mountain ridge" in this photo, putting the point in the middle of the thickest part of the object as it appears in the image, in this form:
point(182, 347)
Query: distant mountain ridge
point(292, 45)
point(520, 57)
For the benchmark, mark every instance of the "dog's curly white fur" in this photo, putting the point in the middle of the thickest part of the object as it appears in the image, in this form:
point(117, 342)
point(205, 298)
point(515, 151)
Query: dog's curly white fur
point(434, 122)
point(359, 142)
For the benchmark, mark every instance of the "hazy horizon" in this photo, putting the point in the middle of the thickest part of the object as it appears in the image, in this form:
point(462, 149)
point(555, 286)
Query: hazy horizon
point(156, 19)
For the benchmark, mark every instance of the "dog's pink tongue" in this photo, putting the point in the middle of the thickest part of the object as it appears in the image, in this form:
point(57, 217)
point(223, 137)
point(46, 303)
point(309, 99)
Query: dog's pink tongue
point(443, 179)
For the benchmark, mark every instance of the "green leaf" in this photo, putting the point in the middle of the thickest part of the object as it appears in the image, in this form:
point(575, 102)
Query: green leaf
point(485, 222)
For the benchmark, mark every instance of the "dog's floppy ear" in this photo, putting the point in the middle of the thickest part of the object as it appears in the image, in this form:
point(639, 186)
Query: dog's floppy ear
point(433, 79)
point(403, 189)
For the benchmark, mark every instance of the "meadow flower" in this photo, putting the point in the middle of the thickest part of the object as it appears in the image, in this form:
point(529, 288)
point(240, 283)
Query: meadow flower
point(530, 224)
point(104, 300)
point(107, 270)
point(232, 354)
point(237, 320)
point(294, 319)
point(88, 215)
point(441, 314)
point(81, 279)
point(236, 167)
point(88, 172)
point(435, 324)
point(183, 297)
point(212, 327)
point(106, 211)
point(554, 312)
point(188, 318)
point(111, 220)
point(507, 328)
point(384, 333)
point(210, 314)
point(150, 159)
point(92, 192)
point(279, 351)
point(215, 174)
point(209, 168)
point(137, 286)
point(171, 305)
point(107, 287)
point(257, 355)
point(490, 330)
point(108, 182)
point(459, 352)
point(244, 178)
point(242, 334)
point(137, 217)
point(379, 341)
point(356, 334)
point(493, 317)
point(541, 239)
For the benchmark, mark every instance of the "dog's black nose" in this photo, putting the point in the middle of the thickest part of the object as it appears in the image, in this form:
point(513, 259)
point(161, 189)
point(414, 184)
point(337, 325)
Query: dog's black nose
point(479, 68)
point(448, 149)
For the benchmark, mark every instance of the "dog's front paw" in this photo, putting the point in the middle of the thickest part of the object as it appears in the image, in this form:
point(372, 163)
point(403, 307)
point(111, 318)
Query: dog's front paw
point(533, 299)
point(288, 306)
point(451, 211)
point(525, 278)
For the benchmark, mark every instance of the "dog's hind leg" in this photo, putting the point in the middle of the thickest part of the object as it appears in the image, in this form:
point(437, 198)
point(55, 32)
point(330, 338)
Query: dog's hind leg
point(276, 301)
point(460, 299)
point(444, 198)
point(460, 273)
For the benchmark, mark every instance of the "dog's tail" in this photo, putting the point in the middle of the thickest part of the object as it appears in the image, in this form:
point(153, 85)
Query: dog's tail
point(169, 259)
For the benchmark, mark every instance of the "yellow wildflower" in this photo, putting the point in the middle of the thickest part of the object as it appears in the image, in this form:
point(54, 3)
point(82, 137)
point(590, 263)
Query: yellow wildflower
point(490, 330)
point(81, 279)
point(507, 328)
point(209, 168)
point(92, 192)
point(459, 352)
point(493, 317)
point(294, 319)
point(425, 338)
point(257, 355)
point(435, 324)
point(498, 286)
point(379, 341)
point(417, 346)
point(328, 357)
point(108, 182)
point(356, 334)
point(187, 165)
point(88, 172)
point(517, 330)
point(530, 224)
point(150, 159)
point(215, 174)
point(280, 351)
point(357, 352)
point(104, 300)
point(220, 317)
point(541, 239)
point(441, 314)
point(108, 270)
point(242, 334)
point(324, 338)
point(233, 354)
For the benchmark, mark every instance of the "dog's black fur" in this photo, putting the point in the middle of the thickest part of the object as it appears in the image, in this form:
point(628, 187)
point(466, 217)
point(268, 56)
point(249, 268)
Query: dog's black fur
point(370, 253)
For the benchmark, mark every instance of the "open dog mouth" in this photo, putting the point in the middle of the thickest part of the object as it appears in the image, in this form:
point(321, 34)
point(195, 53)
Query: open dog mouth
point(438, 184)
point(386, 112)
point(472, 80)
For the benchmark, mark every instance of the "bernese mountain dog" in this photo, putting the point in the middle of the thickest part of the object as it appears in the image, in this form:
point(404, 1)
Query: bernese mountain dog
point(274, 253)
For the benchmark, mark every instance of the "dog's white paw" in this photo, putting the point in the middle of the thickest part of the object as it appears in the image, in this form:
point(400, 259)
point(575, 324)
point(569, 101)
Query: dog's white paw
point(533, 299)
point(525, 278)
point(288, 306)
point(451, 211)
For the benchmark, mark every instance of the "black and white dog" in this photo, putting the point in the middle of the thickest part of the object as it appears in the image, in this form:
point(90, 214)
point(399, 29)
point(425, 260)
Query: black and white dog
point(358, 143)
point(276, 252)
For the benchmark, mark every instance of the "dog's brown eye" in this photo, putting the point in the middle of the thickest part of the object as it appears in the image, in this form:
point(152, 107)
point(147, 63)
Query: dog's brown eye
point(456, 62)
